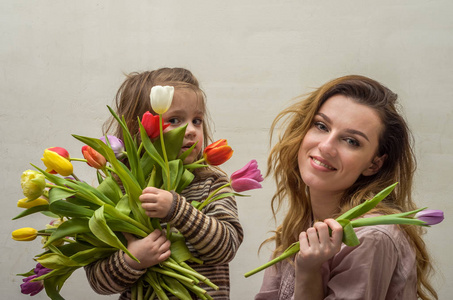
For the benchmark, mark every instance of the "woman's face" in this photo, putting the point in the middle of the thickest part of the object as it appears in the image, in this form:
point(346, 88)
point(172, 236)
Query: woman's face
point(340, 146)
point(186, 108)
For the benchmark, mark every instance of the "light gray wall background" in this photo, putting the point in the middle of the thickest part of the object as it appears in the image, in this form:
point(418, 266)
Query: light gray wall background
point(62, 62)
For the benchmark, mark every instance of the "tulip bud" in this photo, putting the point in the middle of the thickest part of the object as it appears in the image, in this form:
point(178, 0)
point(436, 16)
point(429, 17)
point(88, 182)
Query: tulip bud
point(116, 144)
point(161, 98)
point(217, 153)
point(27, 203)
point(56, 160)
point(24, 234)
point(430, 216)
point(94, 158)
point(151, 125)
point(32, 183)
point(247, 178)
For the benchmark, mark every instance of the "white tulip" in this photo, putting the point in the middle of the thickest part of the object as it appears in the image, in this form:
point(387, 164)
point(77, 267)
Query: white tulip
point(161, 98)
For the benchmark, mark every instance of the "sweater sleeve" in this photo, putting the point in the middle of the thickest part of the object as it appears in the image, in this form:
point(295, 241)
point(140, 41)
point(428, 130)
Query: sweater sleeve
point(112, 275)
point(215, 232)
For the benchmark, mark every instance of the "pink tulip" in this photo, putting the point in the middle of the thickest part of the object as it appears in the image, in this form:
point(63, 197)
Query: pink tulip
point(247, 178)
point(430, 216)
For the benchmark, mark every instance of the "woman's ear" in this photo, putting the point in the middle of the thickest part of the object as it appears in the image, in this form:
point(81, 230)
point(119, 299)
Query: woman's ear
point(375, 166)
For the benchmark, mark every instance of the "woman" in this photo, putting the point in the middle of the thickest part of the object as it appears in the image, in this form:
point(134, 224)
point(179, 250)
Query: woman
point(350, 143)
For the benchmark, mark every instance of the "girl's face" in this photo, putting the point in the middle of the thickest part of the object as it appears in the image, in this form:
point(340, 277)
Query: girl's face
point(186, 108)
point(340, 146)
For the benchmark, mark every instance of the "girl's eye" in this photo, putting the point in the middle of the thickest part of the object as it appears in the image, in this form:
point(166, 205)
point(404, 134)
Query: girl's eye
point(352, 142)
point(173, 121)
point(197, 121)
point(321, 126)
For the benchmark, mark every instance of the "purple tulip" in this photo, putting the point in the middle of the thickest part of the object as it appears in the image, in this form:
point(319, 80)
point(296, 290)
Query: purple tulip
point(430, 216)
point(116, 144)
point(31, 287)
point(39, 269)
point(247, 178)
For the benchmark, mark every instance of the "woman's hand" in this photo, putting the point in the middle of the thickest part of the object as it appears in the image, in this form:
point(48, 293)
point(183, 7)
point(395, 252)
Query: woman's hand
point(317, 245)
point(156, 202)
point(150, 250)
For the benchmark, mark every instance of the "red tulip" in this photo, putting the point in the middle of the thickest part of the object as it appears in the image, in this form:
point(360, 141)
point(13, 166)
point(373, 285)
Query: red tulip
point(217, 153)
point(94, 158)
point(151, 124)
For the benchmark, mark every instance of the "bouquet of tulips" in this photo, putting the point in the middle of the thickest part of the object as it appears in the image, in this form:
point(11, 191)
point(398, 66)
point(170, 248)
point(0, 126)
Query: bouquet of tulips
point(351, 219)
point(89, 221)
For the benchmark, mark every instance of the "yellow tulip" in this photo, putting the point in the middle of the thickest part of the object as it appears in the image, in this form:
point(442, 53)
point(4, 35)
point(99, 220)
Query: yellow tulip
point(25, 234)
point(57, 163)
point(27, 203)
point(33, 184)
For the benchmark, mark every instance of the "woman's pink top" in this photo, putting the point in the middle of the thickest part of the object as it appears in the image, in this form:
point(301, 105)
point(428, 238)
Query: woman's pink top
point(382, 267)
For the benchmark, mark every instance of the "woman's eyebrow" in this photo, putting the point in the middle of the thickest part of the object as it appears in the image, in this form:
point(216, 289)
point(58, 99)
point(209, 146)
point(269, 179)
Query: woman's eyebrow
point(349, 130)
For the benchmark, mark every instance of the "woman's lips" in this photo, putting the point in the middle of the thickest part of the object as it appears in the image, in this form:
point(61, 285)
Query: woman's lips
point(322, 163)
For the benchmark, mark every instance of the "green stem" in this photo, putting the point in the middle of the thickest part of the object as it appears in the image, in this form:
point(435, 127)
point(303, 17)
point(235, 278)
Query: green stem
point(75, 177)
point(164, 152)
point(140, 148)
point(209, 199)
point(77, 159)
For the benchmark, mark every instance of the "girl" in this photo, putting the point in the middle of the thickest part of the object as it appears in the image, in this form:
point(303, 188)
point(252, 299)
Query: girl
point(350, 143)
point(213, 234)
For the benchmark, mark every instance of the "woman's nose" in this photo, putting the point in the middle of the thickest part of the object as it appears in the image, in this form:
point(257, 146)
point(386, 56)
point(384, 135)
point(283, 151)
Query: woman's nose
point(328, 146)
point(190, 130)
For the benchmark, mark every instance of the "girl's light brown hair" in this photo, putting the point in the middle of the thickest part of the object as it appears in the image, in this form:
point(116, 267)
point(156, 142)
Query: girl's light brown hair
point(395, 142)
point(132, 99)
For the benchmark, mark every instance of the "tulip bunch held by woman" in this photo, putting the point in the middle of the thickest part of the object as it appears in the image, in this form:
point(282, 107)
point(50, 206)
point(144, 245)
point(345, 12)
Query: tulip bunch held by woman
point(150, 173)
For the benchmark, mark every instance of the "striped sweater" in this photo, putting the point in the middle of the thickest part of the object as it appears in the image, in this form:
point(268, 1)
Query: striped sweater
point(212, 235)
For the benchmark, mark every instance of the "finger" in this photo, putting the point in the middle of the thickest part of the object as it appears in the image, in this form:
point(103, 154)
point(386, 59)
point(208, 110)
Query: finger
point(323, 232)
point(312, 236)
point(303, 240)
point(337, 230)
point(129, 237)
point(150, 190)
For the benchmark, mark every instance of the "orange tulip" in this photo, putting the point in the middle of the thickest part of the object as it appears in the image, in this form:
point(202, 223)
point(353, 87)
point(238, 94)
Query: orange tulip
point(94, 158)
point(217, 153)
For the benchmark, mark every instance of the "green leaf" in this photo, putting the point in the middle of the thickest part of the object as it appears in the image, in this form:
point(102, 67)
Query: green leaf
point(176, 171)
point(91, 239)
point(367, 205)
point(67, 209)
point(91, 255)
point(56, 261)
point(173, 286)
point(32, 210)
point(109, 187)
point(69, 228)
point(58, 194)
point(123, 226)
point(99, 228)
point(54, 284)
point(173, 142)
point(150, 149)
point(349, 235)
point(123, 205)
point(186, 178)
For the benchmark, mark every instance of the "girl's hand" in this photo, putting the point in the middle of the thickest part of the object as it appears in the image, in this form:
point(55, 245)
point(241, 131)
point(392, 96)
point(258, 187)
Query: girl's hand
point(317, 246)
point(150, 251)
point(156, 202)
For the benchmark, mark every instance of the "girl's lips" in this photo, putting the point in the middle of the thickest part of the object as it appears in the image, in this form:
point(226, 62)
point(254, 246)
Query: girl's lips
point(319, 162)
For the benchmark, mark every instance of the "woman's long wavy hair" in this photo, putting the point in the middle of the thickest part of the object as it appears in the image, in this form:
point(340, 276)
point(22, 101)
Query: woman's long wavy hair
point(395, 141)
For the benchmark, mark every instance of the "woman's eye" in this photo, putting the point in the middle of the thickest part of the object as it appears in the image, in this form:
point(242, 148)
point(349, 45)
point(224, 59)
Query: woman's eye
point(352, 142)
point(321, 126)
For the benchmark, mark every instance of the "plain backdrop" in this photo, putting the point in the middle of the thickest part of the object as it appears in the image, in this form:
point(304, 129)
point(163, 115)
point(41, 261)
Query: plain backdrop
point(63, 61)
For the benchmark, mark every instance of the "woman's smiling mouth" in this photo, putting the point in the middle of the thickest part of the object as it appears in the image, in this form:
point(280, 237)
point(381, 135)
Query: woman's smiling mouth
point(319, 163)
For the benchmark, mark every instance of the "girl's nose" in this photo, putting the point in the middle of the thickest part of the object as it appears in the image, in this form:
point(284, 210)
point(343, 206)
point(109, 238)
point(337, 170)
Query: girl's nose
point(328, 146)
point(190, 130)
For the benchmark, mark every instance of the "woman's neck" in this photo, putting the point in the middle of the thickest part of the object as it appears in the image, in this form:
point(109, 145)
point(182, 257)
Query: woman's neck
point(324, 204)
